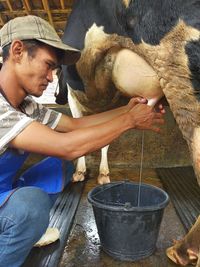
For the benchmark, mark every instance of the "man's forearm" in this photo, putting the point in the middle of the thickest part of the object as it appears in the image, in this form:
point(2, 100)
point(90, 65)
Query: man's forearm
point(67, 124)
point(73, 144)
point(83, 141)
point(102, 117)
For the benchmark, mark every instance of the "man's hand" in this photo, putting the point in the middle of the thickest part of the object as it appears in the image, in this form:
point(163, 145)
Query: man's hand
point(159, 107)
point(134, 101)
point(145, 117)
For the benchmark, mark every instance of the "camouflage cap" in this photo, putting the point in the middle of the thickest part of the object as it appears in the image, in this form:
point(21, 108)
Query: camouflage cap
point(33, 27)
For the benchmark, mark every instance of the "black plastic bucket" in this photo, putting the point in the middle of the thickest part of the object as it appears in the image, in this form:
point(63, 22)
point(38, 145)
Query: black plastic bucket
point(128, 232)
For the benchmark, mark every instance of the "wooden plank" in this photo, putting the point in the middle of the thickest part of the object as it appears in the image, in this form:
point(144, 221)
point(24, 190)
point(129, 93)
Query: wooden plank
point(14, 13)
point(27, 6)
point(46, 7)
point(62, 4)
point(1, 20)
point(9, 5)
point(37, 11)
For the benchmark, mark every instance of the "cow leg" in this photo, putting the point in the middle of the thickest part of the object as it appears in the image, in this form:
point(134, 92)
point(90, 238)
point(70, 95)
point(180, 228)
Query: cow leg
point(77, 112)
point(79, 174)
point(187, 250)
point(103, 177)
point(198, 263)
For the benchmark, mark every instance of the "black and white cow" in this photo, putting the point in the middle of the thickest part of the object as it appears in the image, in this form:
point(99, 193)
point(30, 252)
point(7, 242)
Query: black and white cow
point(166, 34)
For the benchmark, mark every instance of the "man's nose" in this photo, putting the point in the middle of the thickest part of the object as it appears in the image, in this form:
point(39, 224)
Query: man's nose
point(50, 76)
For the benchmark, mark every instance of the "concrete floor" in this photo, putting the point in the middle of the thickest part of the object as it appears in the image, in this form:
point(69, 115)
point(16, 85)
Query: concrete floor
point(84, 249)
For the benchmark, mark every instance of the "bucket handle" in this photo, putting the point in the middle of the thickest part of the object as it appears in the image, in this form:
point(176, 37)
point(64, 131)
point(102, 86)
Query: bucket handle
point(114, 185)
point(126, 205)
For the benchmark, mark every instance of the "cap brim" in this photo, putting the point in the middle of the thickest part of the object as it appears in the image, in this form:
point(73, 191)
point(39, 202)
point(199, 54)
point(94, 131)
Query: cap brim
point(70, 54)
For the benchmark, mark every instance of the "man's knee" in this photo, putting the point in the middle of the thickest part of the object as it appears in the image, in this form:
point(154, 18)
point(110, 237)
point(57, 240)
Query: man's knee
point(32, 207)
point(23, 220)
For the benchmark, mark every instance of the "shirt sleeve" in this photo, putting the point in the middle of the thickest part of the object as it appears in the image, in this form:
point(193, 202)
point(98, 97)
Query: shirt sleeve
point(12, 121)
point(41, 113)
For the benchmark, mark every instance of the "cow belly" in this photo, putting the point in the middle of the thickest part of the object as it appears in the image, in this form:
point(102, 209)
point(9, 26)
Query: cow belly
point(133, 76)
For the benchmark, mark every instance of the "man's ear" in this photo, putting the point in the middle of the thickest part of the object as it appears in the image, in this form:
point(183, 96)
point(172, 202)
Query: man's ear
point(17, 49)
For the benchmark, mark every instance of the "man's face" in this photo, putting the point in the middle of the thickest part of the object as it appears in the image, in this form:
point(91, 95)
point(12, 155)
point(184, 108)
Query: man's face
point(34, 73)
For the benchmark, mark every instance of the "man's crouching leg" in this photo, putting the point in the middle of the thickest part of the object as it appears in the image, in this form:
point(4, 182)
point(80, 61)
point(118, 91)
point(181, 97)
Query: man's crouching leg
point(23, 220)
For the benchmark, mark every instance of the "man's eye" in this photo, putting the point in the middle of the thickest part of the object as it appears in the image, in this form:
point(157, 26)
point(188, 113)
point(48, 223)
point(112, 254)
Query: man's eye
point(51, 66)
point(48, 65)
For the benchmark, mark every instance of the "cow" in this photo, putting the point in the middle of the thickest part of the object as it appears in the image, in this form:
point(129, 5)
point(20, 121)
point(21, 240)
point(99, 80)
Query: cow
point(110, 62)
point(166, 35)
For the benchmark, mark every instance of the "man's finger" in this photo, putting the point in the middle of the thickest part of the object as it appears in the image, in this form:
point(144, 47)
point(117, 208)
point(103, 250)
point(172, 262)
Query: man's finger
point(158, 115)
point(156, 129)
point(159, 121)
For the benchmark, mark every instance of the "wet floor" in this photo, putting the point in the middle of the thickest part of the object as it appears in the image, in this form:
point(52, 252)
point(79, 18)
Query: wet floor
point(84, 249)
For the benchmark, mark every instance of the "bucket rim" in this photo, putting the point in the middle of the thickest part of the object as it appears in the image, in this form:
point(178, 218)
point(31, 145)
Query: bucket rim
point(159, 206)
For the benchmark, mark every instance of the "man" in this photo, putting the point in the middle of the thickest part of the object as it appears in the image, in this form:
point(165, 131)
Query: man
point(31, 51)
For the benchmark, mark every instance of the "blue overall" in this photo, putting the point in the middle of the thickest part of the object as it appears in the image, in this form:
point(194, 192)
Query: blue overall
point(51, 174)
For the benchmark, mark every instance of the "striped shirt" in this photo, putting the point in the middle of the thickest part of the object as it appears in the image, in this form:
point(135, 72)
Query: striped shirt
point(12, 121)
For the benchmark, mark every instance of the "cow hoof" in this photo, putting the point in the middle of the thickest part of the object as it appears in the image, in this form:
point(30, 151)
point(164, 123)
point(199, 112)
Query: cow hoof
point(175, 257)
point(190, 257)
point(78, 176)
point(193, 256)
point(103, 179)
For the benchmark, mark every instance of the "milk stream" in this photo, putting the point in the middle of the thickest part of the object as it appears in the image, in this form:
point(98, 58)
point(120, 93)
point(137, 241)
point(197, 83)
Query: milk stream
point(151, 103)
point(141, 167)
